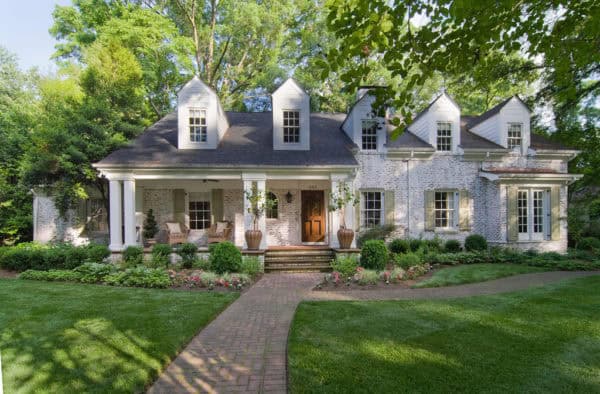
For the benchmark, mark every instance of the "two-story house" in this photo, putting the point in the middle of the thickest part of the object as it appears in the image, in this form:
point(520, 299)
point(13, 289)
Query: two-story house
point(448, 175)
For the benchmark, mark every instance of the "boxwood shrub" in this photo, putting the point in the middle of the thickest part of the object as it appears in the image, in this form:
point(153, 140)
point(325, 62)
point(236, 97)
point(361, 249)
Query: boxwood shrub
point(407, 260)
point(374, 255)
point(187, 252)
point(225, 257)
point(452, 246)
point(161, 255)
point(133, 256)
point(589, 244)
point(31, 255)
point(399, 246)
point(415, 244)
point(475, 242)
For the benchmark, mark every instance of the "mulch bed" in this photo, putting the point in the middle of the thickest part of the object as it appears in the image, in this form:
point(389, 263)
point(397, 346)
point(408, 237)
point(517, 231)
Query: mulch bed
point(405, 284)
point(8, 274)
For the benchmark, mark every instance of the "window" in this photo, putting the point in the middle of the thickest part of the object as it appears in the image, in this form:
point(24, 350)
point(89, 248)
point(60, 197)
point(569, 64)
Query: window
point(197, 124)
point(272, 213)
point(445, 209)
point(514, 135)
point(291, 127)
point(444, 136)
point(199, 215)
point(371, 209)
point(532, 214)
point(369, 134)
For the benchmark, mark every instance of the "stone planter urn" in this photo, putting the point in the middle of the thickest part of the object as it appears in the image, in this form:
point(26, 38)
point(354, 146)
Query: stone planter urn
point(345, 236)
point(253, 238)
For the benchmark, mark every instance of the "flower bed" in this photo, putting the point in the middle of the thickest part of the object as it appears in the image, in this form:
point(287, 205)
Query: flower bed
point(368, 279)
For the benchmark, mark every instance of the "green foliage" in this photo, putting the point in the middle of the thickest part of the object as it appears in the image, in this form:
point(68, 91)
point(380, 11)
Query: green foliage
point(150, 225)
point(139, 277)
point(407, 260)
point(377, 232)
point(51, 275)
point(97, 253)
point(434, 245)
point(225, 257)
point(36, 256)
point(589, 244)
point(201, 264)
point(345, 265)
point(452, 246)
point(374, 255)
point(133, 256)
point(93, 272)
point(415, 244)
point(475, 242)
point(187, 251)
point(251, 265)
point(161, 255)
point(340, 199)
point(367, 277)
point(399, 246)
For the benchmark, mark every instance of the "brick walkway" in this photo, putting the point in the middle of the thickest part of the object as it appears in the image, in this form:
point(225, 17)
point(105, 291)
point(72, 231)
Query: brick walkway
point(244, 348)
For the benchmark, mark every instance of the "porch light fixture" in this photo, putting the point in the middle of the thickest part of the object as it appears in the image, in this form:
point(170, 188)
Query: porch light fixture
point(288, 197)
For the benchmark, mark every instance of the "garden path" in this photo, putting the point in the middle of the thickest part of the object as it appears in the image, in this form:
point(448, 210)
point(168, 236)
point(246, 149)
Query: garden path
point(244, 348)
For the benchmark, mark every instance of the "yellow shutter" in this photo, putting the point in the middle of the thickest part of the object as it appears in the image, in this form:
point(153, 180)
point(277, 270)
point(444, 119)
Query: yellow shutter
point(512, 219)
point(216, 205)
point(390, 203)
point(429, 210)
point(464, 212)
point(555, 212)
point(179, 205)
point(357, 212)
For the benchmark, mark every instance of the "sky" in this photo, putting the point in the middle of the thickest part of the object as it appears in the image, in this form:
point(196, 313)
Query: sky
point(24, 28)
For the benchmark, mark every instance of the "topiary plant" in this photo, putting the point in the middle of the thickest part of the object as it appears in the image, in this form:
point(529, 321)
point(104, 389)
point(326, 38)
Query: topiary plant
point(399, 246)
point(187, 251)
point(475, 242)
point(225, 257)
point(374, 255)
point(150, 226)
point(452, 246)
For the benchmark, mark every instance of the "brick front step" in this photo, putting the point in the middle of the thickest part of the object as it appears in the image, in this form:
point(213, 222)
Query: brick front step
point(298, 260)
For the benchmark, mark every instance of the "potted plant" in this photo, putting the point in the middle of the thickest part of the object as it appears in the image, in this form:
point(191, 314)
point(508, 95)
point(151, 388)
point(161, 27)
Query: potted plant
point(339, 200)
point(259, 203)
point(150, 228)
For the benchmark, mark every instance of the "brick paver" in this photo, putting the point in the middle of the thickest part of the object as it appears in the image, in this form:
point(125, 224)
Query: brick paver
point(244, 348)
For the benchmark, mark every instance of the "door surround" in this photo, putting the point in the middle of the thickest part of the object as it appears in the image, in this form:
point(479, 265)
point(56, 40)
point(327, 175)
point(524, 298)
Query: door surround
point(316, 232)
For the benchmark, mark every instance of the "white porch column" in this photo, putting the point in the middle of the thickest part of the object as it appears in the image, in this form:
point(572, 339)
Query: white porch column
point(250, 179)
point(116, 239)
point(129, 212)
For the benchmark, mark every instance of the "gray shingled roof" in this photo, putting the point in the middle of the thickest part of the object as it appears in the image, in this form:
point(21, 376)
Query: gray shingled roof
point(543, 142)
point(470, 140)
point(247, 142)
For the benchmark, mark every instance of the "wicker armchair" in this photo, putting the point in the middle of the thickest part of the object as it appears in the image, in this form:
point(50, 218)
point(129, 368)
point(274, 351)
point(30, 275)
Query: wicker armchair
point(216, 234)
point(177, 233)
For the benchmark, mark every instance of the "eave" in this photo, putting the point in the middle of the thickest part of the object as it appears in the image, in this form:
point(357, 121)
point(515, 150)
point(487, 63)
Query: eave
point(554, 154)
point(409, 153)
point(532, 178)
point(482, 154)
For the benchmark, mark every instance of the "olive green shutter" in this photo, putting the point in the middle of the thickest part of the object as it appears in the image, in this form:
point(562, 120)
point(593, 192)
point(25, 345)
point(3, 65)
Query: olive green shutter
point(429, 210)
point(512, 219)
point(555, 212)
point(464, 212)
point(216, 205)
point(357, 212)
point(390, 203)
point(179, 205)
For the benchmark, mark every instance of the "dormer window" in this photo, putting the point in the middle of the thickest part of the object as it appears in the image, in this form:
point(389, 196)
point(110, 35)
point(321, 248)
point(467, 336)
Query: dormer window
point(444, 136)
point(369, 134)
point(291, 126)
point(515, 135)
point(197, 125)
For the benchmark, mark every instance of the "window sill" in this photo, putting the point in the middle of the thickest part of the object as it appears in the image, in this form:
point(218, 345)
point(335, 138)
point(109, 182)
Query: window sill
point(446, 231)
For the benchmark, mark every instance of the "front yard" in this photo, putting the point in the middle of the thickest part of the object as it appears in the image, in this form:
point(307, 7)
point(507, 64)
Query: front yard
point(58, 337)
point(540, 340)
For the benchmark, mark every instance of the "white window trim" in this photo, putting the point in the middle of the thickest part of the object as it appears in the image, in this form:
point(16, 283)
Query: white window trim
point(517, 147)
point(530, 236)
point(201, 109)
point(363, 209)
point(455, 216)
point(362, 134)
point(188, 199)
point(283, 111)
point(437, 124)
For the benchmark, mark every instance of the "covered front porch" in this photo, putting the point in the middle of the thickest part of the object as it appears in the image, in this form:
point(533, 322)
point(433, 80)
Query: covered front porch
point(201, 199)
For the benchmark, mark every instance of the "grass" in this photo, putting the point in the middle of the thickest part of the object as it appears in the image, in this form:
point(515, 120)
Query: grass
point(59, 337)
point(542, 340)
point(474, 273)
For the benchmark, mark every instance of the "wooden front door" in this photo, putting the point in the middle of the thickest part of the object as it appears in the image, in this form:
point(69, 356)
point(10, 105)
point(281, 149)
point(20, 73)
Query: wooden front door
point(313, 216)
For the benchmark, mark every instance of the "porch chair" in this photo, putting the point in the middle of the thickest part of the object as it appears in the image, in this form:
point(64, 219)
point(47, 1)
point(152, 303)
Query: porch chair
point(176, 233)
point(219, 232)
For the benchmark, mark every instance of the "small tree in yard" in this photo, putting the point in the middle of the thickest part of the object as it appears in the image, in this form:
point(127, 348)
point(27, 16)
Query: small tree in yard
point(259, 204)
point(150, 226)
point(340, 199)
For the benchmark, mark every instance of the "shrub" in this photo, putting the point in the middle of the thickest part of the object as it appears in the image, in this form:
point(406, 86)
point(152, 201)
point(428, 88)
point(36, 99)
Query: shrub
point(251, 265)
point(399, 246)
point(140, 277)
point(201, 264)
point(133, 256)
point(97, 253)
point(374, 255)
point(475, 242)
point(589, 244)
point(415, 244)
point(209, 278)
point(225, 257)
point(433, 245)
point(25, 256)
point(345, 265)
point(51, 275)
point(377, 232)
point(452, 246)
point(367, 277)
point(94, 272)
point(75, 256)
point(161, 255)
point(407, 260)
point(187, 251)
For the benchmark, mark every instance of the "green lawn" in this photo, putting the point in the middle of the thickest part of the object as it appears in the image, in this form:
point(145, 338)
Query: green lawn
point(58, 337)
point(474, 273)
point(541, 340)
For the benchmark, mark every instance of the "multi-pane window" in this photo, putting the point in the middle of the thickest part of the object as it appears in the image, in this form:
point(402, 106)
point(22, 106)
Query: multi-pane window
point(445, 209)
point(532, 214)
point(515, 135)
point(291, 126)
point(199, 215)
point(371, 209)
point(522, 211)
point(444, 136)
point(197, 125)
point(369, 134)
point(273, 210)
point(538, 211)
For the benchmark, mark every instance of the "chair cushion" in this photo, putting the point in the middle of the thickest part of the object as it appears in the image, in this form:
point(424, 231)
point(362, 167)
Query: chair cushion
point(221, 226)
point(174, 228)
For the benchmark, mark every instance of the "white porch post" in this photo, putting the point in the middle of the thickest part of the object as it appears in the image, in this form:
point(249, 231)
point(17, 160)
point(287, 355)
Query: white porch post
point(129, 212)
point(116, 239)
point(249, 180)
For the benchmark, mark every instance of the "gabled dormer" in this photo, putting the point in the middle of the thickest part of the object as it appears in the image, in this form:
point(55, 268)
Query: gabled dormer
point(291, 117)
point(439, 124)
point(201, 121)
point(507, 124)
point(364, 127)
